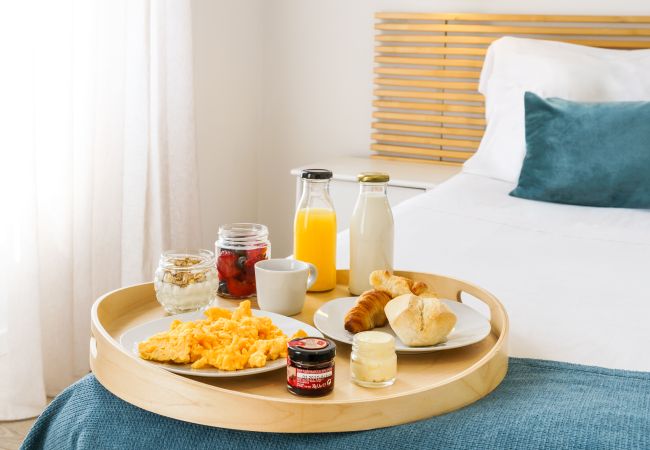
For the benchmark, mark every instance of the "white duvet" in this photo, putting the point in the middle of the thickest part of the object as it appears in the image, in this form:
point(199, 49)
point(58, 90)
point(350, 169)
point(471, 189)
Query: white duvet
point(574, 280)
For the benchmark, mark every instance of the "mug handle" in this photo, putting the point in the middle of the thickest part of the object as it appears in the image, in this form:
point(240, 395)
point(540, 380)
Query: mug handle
point(313, 275)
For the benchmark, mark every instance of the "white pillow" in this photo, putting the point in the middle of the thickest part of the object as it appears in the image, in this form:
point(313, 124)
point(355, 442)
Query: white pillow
point(549, 69)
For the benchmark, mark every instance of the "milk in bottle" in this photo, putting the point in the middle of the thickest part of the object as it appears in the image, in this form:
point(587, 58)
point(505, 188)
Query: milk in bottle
point(371, 231)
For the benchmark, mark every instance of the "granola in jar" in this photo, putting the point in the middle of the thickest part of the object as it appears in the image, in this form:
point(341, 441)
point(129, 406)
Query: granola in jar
point(186, 281)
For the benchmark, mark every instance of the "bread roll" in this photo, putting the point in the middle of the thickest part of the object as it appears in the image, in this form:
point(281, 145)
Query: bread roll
point(419, 321)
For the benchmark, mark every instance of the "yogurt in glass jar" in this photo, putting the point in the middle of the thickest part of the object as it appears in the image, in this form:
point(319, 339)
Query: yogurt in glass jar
point(186, 280)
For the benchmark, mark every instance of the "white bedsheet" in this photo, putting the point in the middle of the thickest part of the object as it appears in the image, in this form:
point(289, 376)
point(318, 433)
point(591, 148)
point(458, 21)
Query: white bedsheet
point(574, 280)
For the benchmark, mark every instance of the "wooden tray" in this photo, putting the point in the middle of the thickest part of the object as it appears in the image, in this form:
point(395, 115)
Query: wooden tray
point(427, 384)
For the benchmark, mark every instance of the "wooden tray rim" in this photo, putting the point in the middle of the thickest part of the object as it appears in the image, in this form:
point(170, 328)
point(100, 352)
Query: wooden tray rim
point(480, 362)
point(97, 327)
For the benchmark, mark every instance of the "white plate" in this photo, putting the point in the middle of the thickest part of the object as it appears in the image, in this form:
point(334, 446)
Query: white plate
point(135, 335)
point(471, 327)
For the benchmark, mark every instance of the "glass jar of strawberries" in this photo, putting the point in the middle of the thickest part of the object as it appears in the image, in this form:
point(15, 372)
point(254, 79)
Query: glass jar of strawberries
point(238, 247)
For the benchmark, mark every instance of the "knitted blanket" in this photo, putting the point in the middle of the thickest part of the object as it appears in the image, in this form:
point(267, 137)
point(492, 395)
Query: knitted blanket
point(540, 404)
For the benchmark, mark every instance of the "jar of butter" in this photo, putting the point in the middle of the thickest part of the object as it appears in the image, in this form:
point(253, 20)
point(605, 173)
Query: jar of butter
point(373, 362)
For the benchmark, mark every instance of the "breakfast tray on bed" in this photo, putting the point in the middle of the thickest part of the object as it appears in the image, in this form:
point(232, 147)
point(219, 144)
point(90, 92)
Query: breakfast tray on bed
point(427, 384)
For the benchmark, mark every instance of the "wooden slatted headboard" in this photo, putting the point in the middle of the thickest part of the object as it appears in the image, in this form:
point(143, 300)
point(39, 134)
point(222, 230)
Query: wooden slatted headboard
point(427, 107)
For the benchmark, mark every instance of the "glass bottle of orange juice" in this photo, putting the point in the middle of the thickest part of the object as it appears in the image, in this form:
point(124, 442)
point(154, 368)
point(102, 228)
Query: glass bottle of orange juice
point(314, 238)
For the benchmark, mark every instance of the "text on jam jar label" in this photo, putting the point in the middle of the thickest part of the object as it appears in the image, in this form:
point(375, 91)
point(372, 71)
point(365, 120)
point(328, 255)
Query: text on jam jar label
point(312, 379)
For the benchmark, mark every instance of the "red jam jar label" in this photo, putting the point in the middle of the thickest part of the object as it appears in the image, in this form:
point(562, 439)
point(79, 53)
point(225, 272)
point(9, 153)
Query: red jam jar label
point(310, 379)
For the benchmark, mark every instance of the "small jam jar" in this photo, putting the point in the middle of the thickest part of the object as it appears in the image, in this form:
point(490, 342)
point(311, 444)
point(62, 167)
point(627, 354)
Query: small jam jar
point(238, 247)
point(373, 362)
point(310, 366)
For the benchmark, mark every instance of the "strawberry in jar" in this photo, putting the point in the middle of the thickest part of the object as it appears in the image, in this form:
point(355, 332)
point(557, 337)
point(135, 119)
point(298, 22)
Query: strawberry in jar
point(238, 247)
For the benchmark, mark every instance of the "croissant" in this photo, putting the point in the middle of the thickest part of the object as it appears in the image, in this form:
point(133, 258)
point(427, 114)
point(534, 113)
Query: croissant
point(368, 312)
point(395, 285)
point(422, 289)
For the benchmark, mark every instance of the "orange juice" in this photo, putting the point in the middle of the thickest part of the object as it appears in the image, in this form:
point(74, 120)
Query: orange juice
point(315, 242)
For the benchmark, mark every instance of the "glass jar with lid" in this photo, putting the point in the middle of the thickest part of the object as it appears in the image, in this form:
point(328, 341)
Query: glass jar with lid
point(373, 362)
point(238, 247)
point(185, 280)
point(310, 366)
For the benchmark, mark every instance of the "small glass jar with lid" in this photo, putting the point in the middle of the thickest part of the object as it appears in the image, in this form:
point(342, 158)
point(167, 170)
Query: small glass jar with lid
point(238, 247)
point(373, 362)
point(310, 366)
point(185, 280)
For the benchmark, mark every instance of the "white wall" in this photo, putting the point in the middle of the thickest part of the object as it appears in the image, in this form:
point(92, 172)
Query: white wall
point(318, 95)
point(227, 40)
point(317, 85)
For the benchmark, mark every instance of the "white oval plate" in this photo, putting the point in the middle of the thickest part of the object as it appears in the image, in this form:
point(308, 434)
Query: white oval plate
point(471, 326)
point(131, 338)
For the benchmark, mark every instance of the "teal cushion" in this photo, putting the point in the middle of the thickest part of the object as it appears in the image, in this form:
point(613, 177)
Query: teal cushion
point(593, 154)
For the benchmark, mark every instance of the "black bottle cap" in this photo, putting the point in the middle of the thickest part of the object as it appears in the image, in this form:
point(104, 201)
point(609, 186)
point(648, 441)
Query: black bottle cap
point(316, 174)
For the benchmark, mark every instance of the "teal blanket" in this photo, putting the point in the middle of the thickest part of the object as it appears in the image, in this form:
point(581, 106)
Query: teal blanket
point(540, 404)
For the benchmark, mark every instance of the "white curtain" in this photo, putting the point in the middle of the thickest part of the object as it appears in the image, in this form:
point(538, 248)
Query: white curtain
point(97, 173)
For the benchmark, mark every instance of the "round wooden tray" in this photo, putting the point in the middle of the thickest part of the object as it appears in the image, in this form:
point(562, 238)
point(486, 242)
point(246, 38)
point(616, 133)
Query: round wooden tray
point(427, 384)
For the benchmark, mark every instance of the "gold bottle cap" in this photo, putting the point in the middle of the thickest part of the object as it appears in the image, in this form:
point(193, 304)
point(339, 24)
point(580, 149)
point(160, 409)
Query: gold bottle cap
point(373, 177)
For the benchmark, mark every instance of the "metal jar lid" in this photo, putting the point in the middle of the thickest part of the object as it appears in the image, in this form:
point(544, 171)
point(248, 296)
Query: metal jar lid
point(311, 350)
point(316, 174)
point(373, 177)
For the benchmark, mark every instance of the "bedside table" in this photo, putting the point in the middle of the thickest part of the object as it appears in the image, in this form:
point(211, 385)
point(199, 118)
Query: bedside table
point(406, 180)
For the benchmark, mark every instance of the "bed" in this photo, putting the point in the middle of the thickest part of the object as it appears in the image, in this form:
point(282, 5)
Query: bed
point(596, 316)
point(572, 278)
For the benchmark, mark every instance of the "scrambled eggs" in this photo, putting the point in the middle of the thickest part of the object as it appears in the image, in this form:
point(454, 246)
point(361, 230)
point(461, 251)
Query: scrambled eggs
point(227, 340)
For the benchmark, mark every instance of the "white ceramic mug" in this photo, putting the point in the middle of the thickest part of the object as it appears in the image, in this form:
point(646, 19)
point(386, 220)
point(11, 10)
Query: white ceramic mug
point(282, 284)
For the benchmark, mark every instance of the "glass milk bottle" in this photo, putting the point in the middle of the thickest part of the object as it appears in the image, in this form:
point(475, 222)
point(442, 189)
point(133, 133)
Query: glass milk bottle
point(315, 228)
point(371, 231)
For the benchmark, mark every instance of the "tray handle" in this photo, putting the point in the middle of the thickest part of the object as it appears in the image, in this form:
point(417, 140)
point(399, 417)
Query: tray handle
point(474, 302)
